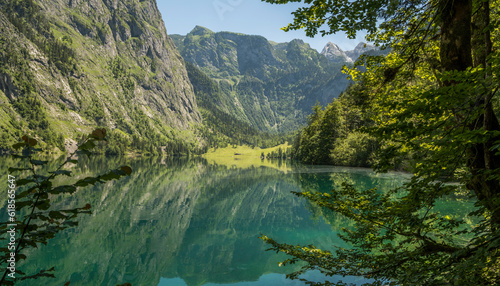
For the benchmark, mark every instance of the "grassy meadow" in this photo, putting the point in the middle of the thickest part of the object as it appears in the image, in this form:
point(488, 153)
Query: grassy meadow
point(246, 157)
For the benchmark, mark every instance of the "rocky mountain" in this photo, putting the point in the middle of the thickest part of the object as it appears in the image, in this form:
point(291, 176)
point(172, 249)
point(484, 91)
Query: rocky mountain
point(271, 86)
point(361, 48)
point(335, 54)
point(69, 66)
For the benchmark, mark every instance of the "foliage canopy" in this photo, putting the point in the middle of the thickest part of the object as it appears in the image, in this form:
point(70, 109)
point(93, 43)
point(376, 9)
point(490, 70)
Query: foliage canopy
point(33, 220)
point(433, 100)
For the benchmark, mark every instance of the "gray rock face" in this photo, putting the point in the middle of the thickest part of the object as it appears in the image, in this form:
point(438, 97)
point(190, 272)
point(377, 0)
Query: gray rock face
point(228, 53)
point(125, 63)
point(335, 54)
point(360, 49)
point(271, 86)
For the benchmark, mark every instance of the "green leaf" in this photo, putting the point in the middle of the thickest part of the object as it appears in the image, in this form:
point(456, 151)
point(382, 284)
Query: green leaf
point(25, 193)
point(126, 169)
point(18, 145)
point(62, 172)
point(39, 162)
point(43, 217)
point(46, 185)
point(70, 223)
point(56, 215)
point(84, 152)
point(89, 145)
point(20, 205)
point(40, 178)
point(63, 189)
point(30, 243)
point(87, 181)
point(12, 170)
point(19, 156)
point(23, 182)
point(44, 205)
point(98, 134)
point(114, 174)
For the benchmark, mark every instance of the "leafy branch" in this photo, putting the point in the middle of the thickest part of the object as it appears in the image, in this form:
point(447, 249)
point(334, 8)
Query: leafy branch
point(39, 222)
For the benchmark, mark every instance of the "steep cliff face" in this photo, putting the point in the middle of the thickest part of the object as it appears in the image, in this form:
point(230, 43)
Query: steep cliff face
point(268, 85)
point(335, 54)
point(362, 48)
point(87, 63)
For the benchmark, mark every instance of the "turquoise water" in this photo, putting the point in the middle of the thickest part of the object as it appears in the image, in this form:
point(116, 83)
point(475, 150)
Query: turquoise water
point(191, 223)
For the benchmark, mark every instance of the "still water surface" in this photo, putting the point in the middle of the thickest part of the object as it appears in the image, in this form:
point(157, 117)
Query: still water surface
point(187, 222)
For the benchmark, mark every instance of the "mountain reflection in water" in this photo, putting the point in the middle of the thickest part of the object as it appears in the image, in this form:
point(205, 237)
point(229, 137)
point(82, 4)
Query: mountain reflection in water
point(186, 222)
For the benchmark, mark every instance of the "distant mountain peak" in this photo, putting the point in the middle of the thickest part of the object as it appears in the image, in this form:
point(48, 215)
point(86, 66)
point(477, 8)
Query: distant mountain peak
point(360, 49)
point(199, 30)
point(335, 54)
point(332, 45)
point(362, 45)
point(298, 41)
point(270, 86)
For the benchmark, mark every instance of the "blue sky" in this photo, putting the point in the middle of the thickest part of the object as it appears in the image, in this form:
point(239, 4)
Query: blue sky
point(251, 17)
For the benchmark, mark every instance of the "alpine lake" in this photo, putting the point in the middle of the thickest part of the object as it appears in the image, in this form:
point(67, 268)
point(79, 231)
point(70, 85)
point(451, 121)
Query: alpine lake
point(193, 222)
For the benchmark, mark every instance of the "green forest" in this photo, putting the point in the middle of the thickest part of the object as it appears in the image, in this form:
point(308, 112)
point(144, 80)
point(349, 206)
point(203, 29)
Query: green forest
point(338, 134)
point(429, 107)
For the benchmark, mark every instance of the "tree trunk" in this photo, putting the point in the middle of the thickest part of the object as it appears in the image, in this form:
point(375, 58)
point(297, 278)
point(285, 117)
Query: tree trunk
point(455, 46)
point(481, 36)
point(456, 50)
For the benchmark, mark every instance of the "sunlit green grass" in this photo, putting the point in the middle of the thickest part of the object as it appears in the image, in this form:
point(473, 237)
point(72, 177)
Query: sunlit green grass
point(245, 157)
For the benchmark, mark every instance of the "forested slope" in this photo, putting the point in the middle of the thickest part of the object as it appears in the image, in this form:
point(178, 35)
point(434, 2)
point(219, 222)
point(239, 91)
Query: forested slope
point(268, 85)
point(337, 134)
point(67, 67)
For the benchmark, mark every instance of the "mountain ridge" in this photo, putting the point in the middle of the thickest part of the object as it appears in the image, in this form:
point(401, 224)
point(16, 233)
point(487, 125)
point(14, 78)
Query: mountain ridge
point(271, 86)
point(335, 54)
point(85, 64)
point(68, 67)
